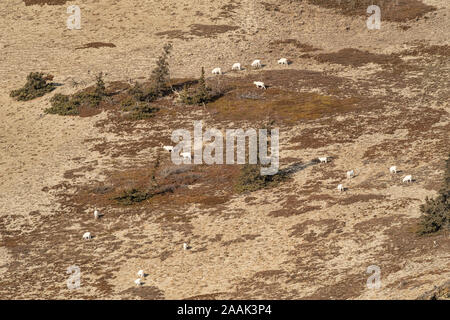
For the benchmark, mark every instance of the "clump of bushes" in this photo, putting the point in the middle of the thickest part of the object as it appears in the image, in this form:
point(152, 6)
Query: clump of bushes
point(250, 179)
point(138, 103)
point(436, 212)
point(36, 86)
point(140, 96)
point(69, 105)
point(129, 197)
point(198, 95)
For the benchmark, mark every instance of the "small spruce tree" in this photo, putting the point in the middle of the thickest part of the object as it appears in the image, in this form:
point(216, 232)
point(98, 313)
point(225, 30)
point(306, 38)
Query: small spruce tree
point(436, 212)
point(160, 74)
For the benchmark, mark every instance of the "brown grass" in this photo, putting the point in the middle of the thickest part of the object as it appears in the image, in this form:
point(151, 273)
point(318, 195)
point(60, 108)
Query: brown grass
point(97, 45)
point(392, 10)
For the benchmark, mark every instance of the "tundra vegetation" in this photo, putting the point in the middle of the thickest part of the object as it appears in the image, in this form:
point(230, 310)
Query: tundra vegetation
point(36, 86)
point(436, 212)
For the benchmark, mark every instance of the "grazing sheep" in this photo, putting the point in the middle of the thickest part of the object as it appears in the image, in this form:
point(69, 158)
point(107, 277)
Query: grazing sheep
point(236, 66)
point(256, 63)
point(138, 282)
point(168, 148)
point(87, 236)
point(259, 84)
point(340, 187)
point(323, 159)
point(350, 174)
point(96, 214)
point(393, 169)
point(407, 178)
point(283, 61)
point(217, 71)
point(141, 273)
point(186, 155)
point(185, 246)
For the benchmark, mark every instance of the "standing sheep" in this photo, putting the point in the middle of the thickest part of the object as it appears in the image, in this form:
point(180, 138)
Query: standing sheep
point(256, 64)
point(236, 66)
point(407, 178)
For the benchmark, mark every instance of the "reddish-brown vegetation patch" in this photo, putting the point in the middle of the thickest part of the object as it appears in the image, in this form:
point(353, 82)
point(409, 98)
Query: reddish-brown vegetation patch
point(42, 2)
point(399, 11)
point(97, 45)
point(356, 58)
point(304, 47)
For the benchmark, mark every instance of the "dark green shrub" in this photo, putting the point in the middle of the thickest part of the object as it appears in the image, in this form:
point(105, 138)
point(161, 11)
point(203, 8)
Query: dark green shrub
point(69, 105)
point(140, 93)
point(132, 196)
point(436, 212)
point(62, 105)
point(198, 95)
point(250, 179)
point(36, 86)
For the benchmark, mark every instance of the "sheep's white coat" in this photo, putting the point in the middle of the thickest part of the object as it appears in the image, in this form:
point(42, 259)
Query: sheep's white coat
point(217, 71)
point(87, 236)
point(393, 169)
point(350, 173)
point(408, 178)
point(141, 273)
point(256, 63)
point(340, 187)
point(259, 84)
point(283, 61)
point(168, 148)
point(138, 282)
point(236, 66)
point(323, 159)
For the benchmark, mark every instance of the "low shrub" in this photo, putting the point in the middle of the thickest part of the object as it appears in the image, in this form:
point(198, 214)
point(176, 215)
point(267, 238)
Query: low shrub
point(36, 86)
point(70, 104)
point(436, 212)
point(196, 95)
point(250, 179)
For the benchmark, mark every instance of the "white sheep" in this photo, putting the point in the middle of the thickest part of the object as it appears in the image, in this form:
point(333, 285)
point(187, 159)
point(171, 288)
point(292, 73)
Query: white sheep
point(96, 214)
point(407, 178)
point(87, 236)
point(236, 66)
point(393, 169)
point(283, 61)
point(256, 63)
point(168, 148)
point(185, 246)
point(186, 155)
point(259, 84)
point(141, 273)
point(350, 174)
point(323, 159)
point(340, 187)
point(217, 71)
point(138, 282)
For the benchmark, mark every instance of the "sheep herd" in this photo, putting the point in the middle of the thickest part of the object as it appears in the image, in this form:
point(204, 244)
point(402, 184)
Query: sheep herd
point(255, 64)
point(351, 174)
point(187, 155)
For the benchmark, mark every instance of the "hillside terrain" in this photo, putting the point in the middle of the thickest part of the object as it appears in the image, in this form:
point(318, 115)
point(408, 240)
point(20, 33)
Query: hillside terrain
point(367, 99)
